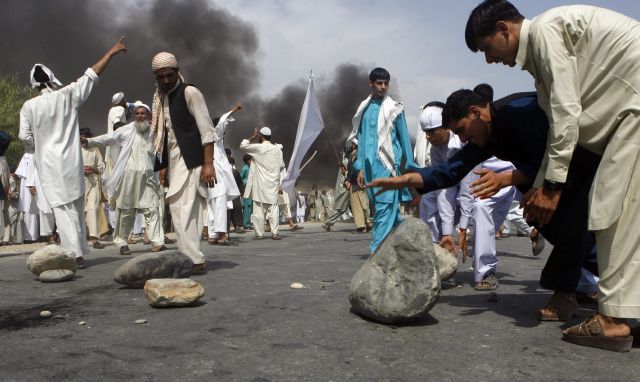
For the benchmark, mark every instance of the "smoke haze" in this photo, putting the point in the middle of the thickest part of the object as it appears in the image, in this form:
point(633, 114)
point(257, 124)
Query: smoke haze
point(217, 52)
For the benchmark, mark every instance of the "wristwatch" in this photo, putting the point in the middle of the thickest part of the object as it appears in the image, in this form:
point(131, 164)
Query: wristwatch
point(550, 185)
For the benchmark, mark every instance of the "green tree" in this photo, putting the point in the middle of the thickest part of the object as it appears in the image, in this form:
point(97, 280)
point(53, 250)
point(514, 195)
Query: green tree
point(13, 93)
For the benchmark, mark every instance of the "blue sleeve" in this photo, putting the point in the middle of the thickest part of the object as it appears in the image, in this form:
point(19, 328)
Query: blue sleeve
point(402, 133)
point(447, 174)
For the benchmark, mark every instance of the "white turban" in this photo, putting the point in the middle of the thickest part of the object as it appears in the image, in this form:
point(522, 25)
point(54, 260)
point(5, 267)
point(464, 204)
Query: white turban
point(117, 98)
point(138, 104)
point(265, 131)
point(164, 60)
point(431, 118)
point(48, 72)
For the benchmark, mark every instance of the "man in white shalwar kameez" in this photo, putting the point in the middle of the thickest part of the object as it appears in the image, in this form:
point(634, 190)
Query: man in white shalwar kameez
point(264, 180)
point(182, 134)
point(27, 204)
point(49, 128)
point(585, 61)
point(225, 189)
point(116, 117)
point(93, 170)
point(46, 217)
point(132, 183)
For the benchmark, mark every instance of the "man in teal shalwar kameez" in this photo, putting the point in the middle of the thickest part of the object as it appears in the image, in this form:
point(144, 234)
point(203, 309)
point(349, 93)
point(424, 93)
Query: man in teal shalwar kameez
point(385, 150)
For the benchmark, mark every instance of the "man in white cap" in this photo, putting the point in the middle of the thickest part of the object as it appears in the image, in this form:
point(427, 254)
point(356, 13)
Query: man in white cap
point(133, 184)
point(51, 121)
point(438, 208)
point(182, 135)
point(264, 180)
point(117, 117)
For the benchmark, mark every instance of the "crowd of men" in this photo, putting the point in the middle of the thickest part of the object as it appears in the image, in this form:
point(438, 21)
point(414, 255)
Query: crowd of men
point(538, 164)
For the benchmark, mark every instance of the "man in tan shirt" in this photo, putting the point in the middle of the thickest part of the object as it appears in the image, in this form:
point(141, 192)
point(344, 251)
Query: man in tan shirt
point(585, 61)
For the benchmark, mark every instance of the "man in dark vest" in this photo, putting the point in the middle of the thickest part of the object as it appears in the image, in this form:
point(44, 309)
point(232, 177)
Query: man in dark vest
point(182, 135)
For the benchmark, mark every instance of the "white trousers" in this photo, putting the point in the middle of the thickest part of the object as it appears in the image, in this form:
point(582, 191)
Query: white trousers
point(488, 215)
point(272, 211)
point(515, 222)
point(429, 214)
point(30, 230)
point(71, 226)
point(124, 224)
point(186, 208)
point(47, 223)
point(217, 215)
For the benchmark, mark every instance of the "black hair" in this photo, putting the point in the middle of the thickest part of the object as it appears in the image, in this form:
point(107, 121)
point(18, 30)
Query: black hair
point(231, 160)
point(227, 151)
point(86, 131)
point(379, 74)
point(266, 137)
point(458, 104)
point(246, 158)
point(40, 76)
point(215, 121)
point(482, 20)
point(434, 104)
point(485, 91)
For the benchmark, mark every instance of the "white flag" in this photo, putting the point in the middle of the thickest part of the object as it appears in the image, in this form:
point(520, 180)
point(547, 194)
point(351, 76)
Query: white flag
point(309, 127)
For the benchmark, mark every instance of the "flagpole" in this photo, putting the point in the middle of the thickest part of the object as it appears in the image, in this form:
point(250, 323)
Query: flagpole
point(307, 162)
point(332, 146)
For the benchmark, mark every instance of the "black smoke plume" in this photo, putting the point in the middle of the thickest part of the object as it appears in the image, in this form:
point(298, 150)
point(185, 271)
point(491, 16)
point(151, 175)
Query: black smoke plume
point(216, 51)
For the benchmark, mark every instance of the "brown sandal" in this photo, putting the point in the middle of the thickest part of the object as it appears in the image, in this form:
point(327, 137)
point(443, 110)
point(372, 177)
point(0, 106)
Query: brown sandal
point(561, 307)
point(590, 333)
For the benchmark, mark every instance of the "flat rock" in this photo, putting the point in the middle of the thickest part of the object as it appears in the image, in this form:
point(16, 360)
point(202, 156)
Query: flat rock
point(447, 262)
point(56, 276)
point(51, 257)
point(153, 265)
point(164, 293)
point(400, 282)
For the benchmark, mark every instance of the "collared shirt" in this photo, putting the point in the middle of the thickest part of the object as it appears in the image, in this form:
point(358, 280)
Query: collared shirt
point(585, 61)
point(518, 135)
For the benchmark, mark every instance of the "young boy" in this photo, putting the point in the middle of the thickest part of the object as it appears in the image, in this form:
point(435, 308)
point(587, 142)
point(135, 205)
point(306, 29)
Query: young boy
point(385, 150)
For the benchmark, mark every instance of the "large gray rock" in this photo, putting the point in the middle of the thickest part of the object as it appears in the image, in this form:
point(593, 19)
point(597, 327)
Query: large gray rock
point(166, 293)
point(400, 281)
point(51, 257)
point(447, 262)
point(153, 265)
point(56, 276)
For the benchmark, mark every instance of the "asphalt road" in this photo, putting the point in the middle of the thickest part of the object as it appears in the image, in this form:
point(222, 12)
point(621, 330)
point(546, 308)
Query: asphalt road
point(251, 326)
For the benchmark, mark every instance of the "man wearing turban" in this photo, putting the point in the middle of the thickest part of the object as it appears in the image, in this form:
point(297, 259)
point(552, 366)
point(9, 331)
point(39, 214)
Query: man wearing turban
point(182, 135)
point(49, 128)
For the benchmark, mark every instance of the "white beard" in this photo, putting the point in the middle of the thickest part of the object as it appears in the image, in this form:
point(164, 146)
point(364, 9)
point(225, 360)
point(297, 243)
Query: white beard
point(141, 127)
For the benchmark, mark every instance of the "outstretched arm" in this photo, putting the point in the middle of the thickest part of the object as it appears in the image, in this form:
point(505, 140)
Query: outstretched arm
point(118, 47)
point(411, 179)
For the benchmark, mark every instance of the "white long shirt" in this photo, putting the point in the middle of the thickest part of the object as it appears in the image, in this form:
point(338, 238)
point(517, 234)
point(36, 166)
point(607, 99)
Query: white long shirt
point(133, 182)
point(225, 181)
point(264, 174)
point(178, 171)
point(49, 128)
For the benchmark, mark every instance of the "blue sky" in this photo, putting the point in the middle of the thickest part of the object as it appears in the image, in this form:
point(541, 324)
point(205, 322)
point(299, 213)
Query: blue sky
point(420, 42)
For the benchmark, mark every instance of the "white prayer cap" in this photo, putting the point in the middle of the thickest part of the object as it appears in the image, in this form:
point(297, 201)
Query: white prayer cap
point(355, 141)
point(164, 60)
point(117, 98)
point(265, 131)
point(138, 104)
point(48, 72)
point(431, 118)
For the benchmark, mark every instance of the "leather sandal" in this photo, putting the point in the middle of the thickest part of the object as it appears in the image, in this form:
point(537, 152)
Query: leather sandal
point(489, 282)
point(561, 307)
point(590, 333)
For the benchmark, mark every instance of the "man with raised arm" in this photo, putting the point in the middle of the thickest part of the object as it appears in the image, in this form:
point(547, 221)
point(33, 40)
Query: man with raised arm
point(49, 128)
